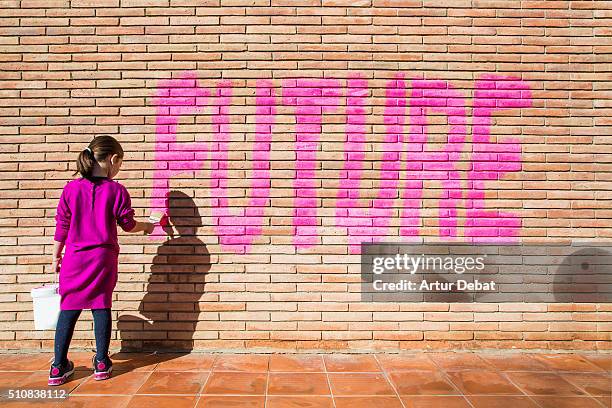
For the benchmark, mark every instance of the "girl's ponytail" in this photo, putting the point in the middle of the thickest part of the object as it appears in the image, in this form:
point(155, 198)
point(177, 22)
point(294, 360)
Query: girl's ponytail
point(85, 163)
point(98, 150)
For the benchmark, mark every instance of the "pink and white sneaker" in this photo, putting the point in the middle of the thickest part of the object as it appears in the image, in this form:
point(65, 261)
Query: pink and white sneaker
point(102, 369)
point(58, 374)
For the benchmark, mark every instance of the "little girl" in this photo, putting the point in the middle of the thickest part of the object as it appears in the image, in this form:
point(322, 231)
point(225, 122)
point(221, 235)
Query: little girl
point(89, 210)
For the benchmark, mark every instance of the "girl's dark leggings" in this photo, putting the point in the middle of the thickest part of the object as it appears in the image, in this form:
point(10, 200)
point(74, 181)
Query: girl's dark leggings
point(65, 327)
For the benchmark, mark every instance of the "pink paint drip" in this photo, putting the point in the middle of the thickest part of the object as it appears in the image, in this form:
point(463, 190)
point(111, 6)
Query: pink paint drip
point(312, 98)
point(491, 160)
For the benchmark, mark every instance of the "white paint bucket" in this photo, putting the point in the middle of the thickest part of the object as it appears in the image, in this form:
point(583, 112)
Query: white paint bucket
point(46, 301)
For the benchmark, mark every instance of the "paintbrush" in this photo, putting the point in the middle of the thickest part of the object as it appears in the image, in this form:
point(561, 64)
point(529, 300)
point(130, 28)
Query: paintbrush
point(156, 216)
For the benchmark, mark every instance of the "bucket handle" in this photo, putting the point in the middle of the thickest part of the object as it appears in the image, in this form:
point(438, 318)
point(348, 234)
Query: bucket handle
point(55, 273)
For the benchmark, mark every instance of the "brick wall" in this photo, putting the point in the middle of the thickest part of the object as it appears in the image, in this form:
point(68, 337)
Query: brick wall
point(280, 134)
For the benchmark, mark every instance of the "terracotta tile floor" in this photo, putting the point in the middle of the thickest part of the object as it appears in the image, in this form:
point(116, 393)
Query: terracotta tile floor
point(417, 380)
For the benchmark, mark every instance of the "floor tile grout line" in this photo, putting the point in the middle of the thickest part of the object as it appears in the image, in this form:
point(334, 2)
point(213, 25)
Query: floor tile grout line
point(581, 388)
point(200, 391)
point(547, 362)
point(384, 373)
point(548, 369)
point(445, 375)
point(529, 397)
point(127, 401)
point(599, 402)
point(84, 380)
point(587, 360)
point(331, 393)
point(143, 383)
point(502, 373)
point(560, 374)
point(586, 357)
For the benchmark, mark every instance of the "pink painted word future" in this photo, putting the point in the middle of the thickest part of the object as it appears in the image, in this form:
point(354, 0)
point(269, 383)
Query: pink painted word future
point(407, 104)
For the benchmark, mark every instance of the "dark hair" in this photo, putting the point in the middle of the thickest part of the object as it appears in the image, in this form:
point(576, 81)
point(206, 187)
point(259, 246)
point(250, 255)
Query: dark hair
point(98, 150)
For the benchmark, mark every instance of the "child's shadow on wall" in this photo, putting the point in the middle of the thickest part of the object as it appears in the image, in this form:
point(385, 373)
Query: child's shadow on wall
point(170, 307)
